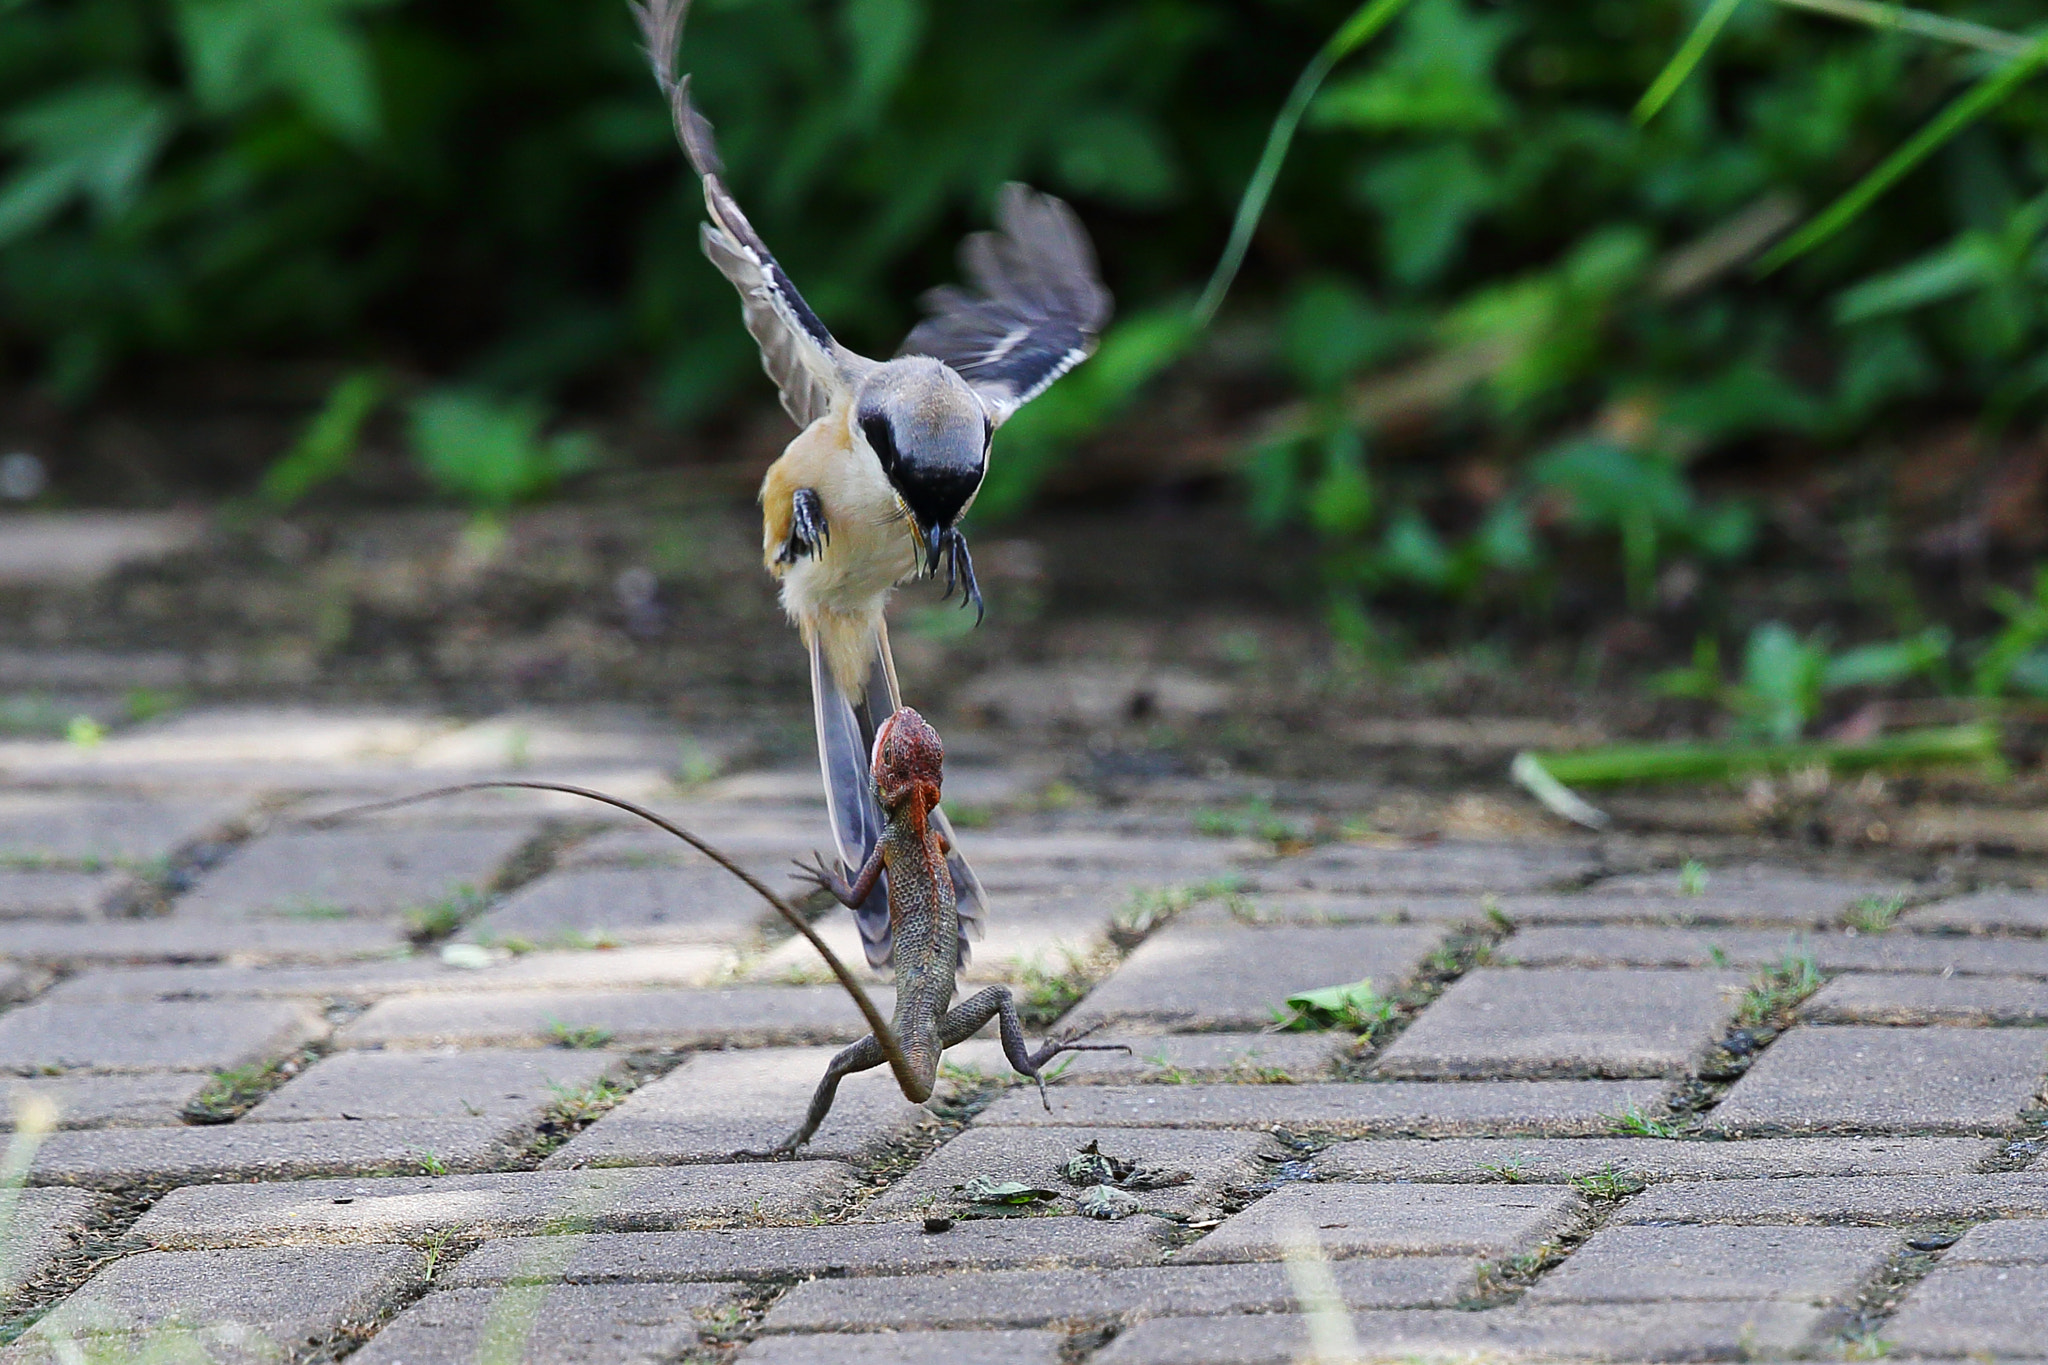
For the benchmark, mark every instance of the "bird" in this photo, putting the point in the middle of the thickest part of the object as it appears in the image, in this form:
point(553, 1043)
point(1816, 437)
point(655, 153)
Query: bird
point(890, 454)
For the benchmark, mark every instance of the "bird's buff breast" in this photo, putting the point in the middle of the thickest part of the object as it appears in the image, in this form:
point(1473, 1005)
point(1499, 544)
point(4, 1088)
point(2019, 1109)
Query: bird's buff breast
point(870, 547)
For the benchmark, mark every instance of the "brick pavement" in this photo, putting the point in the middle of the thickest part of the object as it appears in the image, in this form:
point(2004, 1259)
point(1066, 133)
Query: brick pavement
point(477, 1082)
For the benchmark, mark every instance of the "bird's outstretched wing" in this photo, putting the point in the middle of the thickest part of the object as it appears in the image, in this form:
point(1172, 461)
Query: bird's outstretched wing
point(1038, 309)
point(799, 354)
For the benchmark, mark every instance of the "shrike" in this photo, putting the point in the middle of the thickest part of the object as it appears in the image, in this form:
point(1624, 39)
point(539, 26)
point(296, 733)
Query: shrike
point(871, 492)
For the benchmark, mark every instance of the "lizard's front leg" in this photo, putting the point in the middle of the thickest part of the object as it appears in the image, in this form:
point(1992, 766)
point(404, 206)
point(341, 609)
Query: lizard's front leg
point(808, 529)
point(965, 1020)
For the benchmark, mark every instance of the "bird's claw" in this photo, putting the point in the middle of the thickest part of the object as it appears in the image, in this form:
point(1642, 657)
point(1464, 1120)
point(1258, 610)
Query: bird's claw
point(809, 532)
point(960, 574)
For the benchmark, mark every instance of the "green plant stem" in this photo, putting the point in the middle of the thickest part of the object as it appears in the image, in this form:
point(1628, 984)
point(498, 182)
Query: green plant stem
point(1365, 22)
point(1980, 99)
point(1904, 20)
point(1974, 743)
point(1689, 55)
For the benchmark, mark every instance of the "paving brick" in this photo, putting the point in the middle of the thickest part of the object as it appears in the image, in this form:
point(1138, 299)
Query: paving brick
point(1071, 860)
point(719, 1103)
point(109, 1158)
point(19, 983)
point(35, 894)
point(1495, 1022)
point(1583, 908)
point(1037, 1298)
point(1986, 912)
point(1862, 1199)
point(1393, 1220)
point(908, 1348)
point(1749, 948)
point(1205, 979)
point(1448, 1108)
point(625, 905)
point(1326, 909)
point(1974, 1309)
point(1248, 1058)
point(91, 829)
point(256, 1298)
point(1440, 867)
point(753, 1016)
point(1556, 1159)
point(195, 1036)
point(564, 1324)
point(1618, 1332)
point(1772, 893)
point(1973, 1001)
point(765, 844)
point(1037, 1156)
point(426, 973)
point(513, 1086)
point(2010, 1241)
point(1824, 1266)
point(85, 1101)
point(44, 1225)
point(170, 939)
point(375, 872)
point(1047, 932)
point(373, 1209)
point(1925, 1080)
point(829, 1250)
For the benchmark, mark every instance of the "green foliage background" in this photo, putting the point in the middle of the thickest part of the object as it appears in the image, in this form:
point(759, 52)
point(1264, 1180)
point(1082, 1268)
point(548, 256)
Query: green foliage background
point(486, 191)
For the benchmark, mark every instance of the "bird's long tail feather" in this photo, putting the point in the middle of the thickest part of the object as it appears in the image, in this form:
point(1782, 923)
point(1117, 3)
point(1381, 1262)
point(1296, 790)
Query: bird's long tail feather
point(845, 737)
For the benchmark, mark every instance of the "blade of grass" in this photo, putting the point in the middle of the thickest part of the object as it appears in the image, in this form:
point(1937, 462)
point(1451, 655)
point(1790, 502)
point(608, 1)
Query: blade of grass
point(1365, 22)
point(1689, 55)
point(1979, 100)
point(1977, 743)
point(1904, 20)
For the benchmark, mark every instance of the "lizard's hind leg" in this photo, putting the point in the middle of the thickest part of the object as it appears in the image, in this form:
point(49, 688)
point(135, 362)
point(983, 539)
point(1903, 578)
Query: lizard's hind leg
point(864, 1055)
point(965, 1020)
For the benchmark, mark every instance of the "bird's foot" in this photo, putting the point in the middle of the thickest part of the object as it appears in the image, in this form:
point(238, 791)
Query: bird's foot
point(960, 574)
point(808, 529)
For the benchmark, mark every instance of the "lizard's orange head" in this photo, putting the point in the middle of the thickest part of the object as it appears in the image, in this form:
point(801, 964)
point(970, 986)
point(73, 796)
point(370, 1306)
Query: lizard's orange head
point(908, 760)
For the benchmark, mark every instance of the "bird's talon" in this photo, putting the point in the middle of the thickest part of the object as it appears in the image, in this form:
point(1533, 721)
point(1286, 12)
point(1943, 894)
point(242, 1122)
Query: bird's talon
point(809, 532)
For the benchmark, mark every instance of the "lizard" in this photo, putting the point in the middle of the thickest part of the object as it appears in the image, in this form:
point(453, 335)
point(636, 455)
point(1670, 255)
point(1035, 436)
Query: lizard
point(907, 767)
point(906, 770)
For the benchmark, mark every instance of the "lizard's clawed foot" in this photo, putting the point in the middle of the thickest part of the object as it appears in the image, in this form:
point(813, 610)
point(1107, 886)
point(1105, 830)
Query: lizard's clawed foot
point(1067, 1042)
point(817, 872)
point(808, 529)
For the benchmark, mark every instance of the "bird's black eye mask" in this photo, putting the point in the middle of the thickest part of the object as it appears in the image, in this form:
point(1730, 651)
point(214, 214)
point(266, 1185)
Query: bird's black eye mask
point(882, 440)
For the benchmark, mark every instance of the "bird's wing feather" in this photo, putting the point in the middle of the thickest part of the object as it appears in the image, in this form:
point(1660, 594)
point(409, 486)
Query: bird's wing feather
point(1036, 309)
point(809, 368)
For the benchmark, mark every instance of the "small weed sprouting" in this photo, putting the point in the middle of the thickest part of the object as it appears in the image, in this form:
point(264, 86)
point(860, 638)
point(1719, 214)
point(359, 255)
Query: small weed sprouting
point(578, 1107)
point(435, 1245)
point(1512, 1171)
point(430, 1163)
point(1692, 878)
point(444, 916)
point(307, 908)
point(1608, 1183)
point(1717, 955)
point(1865, 1346)
point(1489, 905)
point(1776, 991)
point(1633, 1122)
point(230, 1094)
point(1874, 914)
point(1048, 994)
point(1257, 819)
point(1150, 907)
point(573, 1036)
point(970, 817)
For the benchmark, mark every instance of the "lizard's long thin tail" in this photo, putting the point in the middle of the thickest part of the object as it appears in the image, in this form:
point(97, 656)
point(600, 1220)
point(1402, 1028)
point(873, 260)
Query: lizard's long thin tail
point(892, 1047)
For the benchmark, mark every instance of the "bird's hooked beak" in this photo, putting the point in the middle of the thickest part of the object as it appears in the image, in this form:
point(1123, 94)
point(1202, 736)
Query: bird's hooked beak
point(934, 545)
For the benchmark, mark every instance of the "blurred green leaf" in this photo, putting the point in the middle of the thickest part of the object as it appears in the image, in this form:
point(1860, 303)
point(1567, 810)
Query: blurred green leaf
point(884, 35)
point(1689, 55)
point(242, 50)
point(489, 451)
point(1426, 199)
point(1437, 76)
point(1341, 503)
point(329, 442)
point(1781, 681)
point(95, 140)
point(1880, 665)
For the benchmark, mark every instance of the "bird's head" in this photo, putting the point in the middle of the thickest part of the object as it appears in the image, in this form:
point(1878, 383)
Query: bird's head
point(908, 762)
point(930, 434)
